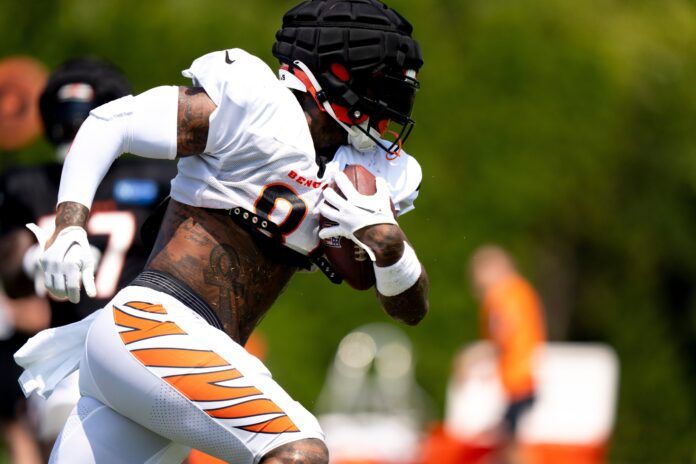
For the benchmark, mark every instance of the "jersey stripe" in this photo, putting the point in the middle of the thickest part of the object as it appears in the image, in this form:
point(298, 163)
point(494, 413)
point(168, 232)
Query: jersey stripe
point(178, 357)
point(246, 409)
point(143, 328)
point(280, 424)
point(204, 386)
point(147, 307)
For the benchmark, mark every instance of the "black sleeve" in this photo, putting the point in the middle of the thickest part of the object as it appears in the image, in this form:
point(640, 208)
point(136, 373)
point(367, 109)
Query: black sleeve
point(14, 213)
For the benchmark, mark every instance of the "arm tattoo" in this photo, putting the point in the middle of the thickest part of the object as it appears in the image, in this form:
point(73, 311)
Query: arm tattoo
point(194, 111)
point(70, 213)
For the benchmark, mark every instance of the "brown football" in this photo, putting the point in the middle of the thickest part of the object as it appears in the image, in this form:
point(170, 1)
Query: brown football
point(348, 259)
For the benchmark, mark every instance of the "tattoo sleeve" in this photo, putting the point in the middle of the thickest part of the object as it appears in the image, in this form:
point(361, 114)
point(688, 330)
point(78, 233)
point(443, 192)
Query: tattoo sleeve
point(70, 213)
point(194, 111)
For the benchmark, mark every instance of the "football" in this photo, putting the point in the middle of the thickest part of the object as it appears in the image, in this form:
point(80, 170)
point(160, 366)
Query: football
point(348, 259)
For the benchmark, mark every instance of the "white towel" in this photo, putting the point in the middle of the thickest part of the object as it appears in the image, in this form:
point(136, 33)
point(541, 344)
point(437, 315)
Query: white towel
point(51, 355)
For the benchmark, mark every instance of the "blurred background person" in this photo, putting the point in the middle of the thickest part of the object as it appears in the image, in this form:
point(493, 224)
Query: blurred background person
point(512, 320)
point(22, 80)
point(129, 194)
point(513, 397)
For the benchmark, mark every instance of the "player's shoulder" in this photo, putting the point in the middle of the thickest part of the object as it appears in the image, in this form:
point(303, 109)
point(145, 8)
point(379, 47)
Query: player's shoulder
point(231, 73)
point(267, 116)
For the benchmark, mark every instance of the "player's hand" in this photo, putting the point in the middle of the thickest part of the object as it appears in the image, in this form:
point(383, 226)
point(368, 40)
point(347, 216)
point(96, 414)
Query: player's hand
point(356, 211)
point(31, 265)
point(67, 263)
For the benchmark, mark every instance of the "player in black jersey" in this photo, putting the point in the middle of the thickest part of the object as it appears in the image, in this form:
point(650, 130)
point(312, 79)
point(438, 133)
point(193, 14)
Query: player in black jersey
point(131, 190)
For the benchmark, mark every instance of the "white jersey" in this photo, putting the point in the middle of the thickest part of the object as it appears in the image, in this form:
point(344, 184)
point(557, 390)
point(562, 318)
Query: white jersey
point(260, 155)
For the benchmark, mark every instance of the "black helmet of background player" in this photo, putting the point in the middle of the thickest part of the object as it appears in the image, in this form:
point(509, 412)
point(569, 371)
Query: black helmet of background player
point(72, 91)
point(358, 60)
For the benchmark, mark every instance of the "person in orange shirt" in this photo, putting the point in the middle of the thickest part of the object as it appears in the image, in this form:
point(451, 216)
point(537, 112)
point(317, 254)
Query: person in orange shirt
point(513, 322)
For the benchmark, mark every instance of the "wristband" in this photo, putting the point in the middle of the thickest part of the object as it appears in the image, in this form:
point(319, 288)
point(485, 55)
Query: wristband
point(400, 276)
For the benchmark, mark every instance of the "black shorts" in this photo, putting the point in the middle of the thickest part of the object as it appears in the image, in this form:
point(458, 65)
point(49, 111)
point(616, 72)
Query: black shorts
point(11, 396)
point(514, 412)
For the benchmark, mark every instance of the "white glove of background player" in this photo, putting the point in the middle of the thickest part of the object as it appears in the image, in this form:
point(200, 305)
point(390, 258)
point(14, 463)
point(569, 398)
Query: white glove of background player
point(356, 211)
point(68, 262)
point(32, 268)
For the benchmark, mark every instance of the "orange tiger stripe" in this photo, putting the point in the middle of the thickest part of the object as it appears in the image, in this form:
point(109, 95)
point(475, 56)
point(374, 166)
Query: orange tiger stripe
point(246, 409)
point(280, 424)
point(203, 386)
point(143, 328)
point(177, 357)
point(147, 307)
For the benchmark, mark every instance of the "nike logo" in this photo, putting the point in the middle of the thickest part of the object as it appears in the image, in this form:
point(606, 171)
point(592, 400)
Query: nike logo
point(227, 58)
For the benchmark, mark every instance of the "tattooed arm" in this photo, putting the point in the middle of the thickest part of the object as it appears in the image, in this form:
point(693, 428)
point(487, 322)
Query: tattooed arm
point(195, 108)
point(387, 242)
point(103, 138)
point(160, 123)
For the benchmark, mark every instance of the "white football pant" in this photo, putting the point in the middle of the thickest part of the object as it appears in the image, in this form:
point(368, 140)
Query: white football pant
point(156, 380)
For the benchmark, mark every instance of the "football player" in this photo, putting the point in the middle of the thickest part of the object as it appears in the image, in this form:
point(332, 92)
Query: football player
point(162, 368)
point(130, 191)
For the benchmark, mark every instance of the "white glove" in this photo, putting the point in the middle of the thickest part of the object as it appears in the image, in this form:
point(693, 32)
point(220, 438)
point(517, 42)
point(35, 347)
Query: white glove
point(31, 265)
point(67, 262)
point(355, 211)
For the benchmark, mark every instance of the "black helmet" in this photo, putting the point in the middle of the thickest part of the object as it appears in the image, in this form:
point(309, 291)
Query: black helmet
point(73, 90)
point(357, 58)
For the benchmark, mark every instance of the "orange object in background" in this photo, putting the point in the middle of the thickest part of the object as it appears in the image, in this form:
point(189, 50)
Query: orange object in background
point(440, 447)
point(570, 423)
point(22, 79)
point(360, 461)
point(566, 454)
point(256, 345)
point(198, 457)
point(513, 322)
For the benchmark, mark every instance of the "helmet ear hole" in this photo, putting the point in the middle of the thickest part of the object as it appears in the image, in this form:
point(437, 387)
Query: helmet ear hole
point(340, 71)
